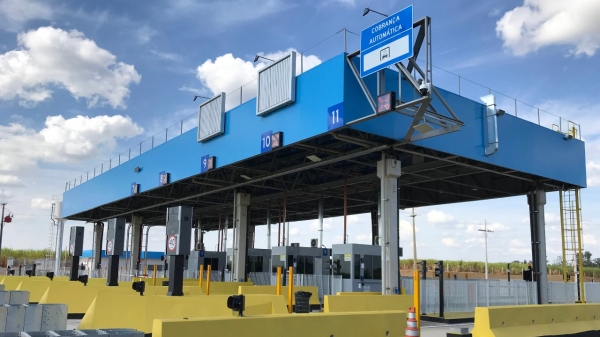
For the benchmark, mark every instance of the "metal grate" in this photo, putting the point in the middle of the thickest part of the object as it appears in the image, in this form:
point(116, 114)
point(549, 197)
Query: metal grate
point(276, 85)
point(211, 118)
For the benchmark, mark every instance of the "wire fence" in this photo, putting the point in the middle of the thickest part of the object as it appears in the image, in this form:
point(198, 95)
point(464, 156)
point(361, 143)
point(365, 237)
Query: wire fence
point(445, 79)
point(326, 284)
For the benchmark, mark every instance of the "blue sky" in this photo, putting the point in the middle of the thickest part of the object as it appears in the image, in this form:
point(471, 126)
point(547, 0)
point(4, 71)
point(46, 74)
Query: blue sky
point(83, 81)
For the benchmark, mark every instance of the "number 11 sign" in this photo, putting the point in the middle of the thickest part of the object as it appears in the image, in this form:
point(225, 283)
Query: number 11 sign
point(335, 116)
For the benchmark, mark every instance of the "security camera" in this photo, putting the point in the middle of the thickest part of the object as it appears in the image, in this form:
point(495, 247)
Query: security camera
point(500, 112)
point(424, 88)
point(568, 136)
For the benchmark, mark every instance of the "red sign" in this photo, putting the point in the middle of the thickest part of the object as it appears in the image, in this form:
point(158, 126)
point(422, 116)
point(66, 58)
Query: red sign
point(172, 243)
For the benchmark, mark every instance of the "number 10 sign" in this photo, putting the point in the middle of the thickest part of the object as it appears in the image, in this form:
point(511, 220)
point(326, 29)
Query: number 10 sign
point(335, 116)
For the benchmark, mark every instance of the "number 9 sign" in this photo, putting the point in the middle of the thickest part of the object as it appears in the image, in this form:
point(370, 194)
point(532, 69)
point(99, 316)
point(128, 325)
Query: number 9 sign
point(207, 163)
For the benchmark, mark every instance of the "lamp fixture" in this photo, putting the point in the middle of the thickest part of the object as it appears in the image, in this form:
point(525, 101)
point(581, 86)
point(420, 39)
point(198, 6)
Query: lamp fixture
point(367, 10)
point(500, 112)
point(314, 158)
point(423, 127)
point(262, 57)
point(245, 177)
point(137, 169)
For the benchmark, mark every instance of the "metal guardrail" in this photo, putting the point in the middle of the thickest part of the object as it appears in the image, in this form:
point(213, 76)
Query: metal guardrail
point(444, 79)
point(326, 284)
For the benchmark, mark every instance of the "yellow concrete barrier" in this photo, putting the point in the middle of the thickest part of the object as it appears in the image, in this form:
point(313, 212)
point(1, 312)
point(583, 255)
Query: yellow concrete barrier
point(131, 311)
point(272, 290)
point(225, 288)
point(385, 323)
point(367, 303)
point(36, 289)
point(76, 296)
point(536, 320)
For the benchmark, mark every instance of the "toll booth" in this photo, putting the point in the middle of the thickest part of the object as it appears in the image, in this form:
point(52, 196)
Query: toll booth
point(259, 260)
point(305, 260)
point(216, 260)
point(359, 266)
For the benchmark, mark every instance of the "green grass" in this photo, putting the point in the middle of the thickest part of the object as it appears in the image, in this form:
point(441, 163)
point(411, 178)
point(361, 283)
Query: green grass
point(494, 268)
point(24, 256)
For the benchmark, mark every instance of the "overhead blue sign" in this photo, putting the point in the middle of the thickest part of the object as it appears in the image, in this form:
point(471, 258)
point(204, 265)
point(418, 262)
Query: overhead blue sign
point(387, 42)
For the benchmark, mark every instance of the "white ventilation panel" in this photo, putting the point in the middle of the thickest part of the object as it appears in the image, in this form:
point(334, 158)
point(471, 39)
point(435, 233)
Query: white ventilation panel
point(211, 118)
point(276, 85)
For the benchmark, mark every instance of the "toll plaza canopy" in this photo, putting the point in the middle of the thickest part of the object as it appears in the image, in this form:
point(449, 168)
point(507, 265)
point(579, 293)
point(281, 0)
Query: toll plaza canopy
point(317, 160)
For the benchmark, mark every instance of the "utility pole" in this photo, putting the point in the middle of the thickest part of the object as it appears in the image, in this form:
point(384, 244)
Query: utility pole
point(414, 240)
point(2, 227)
point(486, 231)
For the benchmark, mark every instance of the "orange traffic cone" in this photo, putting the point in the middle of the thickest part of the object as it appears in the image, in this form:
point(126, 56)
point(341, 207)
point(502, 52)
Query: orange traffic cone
point(411, 323)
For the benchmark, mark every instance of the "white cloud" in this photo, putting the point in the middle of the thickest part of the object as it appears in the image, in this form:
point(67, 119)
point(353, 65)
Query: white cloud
point(449, 242)
point(166, 56)
point(540, 23)
point(436, 216)
point(226, 12)
point(9, 180)
point(406, 229)
point(228, 73)
point(343, 2)
point(589, 240)
point(14, 13)
point(517, 247)
point(50, 57)
point(62, 140)
point(593, 173)
point(144, 34)
point(5, 194)
point(41, 203)
point(496, 227)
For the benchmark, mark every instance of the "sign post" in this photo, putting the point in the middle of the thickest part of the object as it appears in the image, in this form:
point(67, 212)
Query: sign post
point(387, 42)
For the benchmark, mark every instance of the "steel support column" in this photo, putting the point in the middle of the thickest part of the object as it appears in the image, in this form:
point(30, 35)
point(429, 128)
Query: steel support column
point(242, 201)
point(536, 200)
point(97, 247)
point(136, 244)
point(388, 170)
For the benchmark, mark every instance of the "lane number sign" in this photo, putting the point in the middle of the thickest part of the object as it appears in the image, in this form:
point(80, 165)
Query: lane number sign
point(335, 116)
point(207, 163)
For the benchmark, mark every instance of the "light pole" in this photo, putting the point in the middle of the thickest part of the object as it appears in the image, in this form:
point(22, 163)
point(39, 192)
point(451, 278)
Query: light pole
point(487, 287)
point(414, 239)
point(486, 231)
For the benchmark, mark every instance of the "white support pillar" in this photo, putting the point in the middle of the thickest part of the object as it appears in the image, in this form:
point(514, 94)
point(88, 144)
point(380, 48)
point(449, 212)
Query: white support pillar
point(242, 201)
point(251, 231)
point(59, 236)
point(224, 236)
point(388, 170)
point(321, 222)
point(536, 200)
point(269, 227)
point(136, 244)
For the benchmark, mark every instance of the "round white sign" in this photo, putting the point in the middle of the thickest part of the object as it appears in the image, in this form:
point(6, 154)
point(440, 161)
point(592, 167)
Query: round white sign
point(172, 243)
point(109, 246)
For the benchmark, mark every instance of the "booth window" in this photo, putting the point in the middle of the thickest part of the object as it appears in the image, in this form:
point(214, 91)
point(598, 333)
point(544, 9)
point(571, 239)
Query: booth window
point(369, 266)
point(341, 267)
point(357, 266)
point(377, 267)
point(255, 264)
